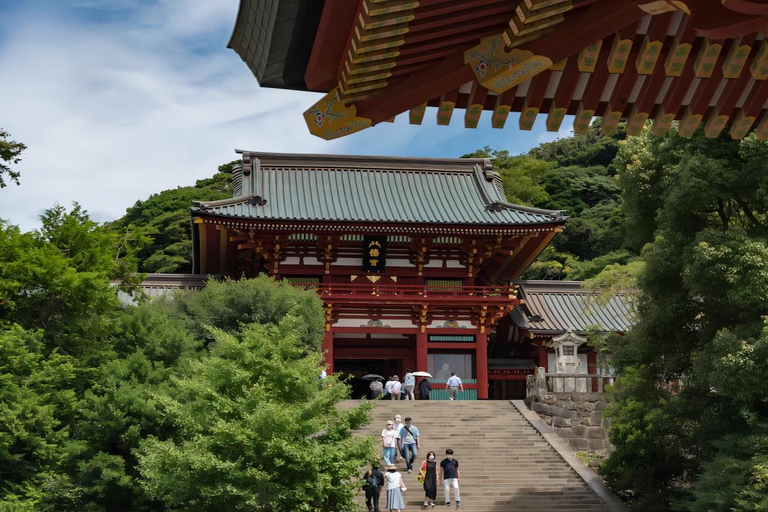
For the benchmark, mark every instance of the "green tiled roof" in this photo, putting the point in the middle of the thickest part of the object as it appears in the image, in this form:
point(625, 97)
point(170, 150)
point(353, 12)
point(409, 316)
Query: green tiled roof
point(554, 307)
point(374, 189)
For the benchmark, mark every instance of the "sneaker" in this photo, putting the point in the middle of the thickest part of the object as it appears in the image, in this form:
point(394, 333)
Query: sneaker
point(447, 503)
point(458, 504)
point(410, 470)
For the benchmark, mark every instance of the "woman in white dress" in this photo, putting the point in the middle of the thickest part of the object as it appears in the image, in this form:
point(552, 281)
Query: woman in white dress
point(395, 488)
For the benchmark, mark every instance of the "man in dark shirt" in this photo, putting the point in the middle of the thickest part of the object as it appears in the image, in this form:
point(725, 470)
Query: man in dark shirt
point(373, 480)
point(450, 475)
point(424, 389)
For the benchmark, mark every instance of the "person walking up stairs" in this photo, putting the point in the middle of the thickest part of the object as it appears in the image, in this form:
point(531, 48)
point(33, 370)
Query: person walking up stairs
point(506, 464)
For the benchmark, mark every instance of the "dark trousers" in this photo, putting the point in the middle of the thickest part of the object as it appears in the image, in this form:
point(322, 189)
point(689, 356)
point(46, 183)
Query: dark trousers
point(372, 498)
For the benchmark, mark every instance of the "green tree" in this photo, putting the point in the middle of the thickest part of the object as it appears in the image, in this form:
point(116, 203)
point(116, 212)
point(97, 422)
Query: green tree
point(36, 404)
point(10, 154)
point(164, 225)
point(257, 430)
point(58, 279)
point(228, 305)
point(692, 365)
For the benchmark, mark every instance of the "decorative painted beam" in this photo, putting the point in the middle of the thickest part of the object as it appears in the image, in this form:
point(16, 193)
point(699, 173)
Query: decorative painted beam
point(447, 105)
point(736, 60)
point(593, 91)
point(759, 67)
point(706, 60)
point(475, 105)
point(563, 95)
point(533, 100)
point(416, 114)
point(502, 108)
point(653, 42)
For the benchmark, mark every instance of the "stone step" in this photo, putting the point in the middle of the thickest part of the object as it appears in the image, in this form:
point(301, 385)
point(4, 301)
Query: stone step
point(505, 463)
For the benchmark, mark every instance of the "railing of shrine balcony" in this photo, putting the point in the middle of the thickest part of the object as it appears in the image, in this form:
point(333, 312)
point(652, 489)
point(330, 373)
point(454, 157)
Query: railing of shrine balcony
point(500, 294)
point(568, 383)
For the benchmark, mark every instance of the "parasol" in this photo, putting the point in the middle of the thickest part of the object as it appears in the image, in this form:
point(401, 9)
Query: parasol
point(373, 376)
point(420, 374)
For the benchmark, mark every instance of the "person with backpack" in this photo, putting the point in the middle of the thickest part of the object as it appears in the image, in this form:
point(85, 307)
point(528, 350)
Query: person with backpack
point(396, 388)
point(373, 480)
point(428, 476)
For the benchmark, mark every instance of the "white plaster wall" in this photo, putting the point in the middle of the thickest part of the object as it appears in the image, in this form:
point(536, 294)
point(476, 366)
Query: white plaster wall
point(439, 323)
point(357, 322)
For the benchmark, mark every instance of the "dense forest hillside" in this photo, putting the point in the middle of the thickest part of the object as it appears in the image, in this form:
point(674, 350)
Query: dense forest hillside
point(574, 174)
point(161, 223)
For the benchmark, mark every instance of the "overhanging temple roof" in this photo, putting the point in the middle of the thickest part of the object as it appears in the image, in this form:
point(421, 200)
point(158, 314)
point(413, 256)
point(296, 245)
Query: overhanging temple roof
point(702, 62)
point(373, 189)
point(554, 307)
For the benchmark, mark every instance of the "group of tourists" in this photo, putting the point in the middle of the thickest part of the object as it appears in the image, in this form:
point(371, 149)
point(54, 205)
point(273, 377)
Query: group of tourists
point(395, 390)
point(400, 441)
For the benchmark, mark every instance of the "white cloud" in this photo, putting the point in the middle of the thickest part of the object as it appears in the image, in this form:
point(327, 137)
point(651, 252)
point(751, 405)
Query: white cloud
point(109, 119)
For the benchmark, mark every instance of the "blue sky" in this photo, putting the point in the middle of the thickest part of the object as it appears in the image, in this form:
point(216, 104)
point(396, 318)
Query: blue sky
point(119, 99)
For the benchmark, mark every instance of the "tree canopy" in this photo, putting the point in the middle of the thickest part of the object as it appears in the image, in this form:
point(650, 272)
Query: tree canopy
point(575, 174)
point(105, 407)
point(160, 225)
point(10, 154)
point(691, 405)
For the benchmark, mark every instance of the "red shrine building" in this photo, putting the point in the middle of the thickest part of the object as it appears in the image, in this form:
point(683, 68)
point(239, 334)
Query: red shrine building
point(415, 259)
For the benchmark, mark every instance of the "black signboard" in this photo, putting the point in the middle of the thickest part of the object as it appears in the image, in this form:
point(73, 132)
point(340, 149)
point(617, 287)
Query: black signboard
point(374, 253)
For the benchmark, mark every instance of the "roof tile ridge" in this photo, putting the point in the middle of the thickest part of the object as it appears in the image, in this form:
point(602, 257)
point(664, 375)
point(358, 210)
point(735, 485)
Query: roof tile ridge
point(369, 162)
point(222, 202)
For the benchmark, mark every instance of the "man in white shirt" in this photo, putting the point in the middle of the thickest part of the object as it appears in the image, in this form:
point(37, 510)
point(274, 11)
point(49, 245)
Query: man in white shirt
point(454, 384)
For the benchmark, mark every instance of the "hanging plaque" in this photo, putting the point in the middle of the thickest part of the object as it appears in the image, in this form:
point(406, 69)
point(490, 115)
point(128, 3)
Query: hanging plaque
point(375, 253)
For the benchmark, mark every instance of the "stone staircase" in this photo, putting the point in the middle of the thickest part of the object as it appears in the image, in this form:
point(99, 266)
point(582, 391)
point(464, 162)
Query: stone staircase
point(506, 465)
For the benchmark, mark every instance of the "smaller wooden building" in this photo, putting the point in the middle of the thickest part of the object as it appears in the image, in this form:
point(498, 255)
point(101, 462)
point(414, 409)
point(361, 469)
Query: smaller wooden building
point(554, 317)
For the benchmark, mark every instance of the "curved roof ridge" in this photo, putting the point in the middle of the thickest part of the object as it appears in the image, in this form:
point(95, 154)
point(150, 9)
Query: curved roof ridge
point(466, 165)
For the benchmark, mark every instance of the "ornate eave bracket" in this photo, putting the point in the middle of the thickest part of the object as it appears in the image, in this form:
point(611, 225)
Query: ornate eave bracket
point(330, 118)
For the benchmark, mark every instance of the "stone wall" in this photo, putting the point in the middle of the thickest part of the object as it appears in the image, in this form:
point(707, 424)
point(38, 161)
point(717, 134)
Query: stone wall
point(577, 418)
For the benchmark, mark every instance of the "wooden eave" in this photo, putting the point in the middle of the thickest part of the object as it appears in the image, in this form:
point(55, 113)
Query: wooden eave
point(700, 62)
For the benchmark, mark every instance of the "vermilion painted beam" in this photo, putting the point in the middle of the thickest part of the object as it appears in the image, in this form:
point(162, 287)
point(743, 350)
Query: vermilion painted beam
point(706, 90)
point(651, 88)
point(733, 91)
point(623, 87)
point(594, 90)
point(450, 73)
point(757, 98)
point(585, 27)
point(679, 88)
point(330, 44)
point(711, 19)
point(490, 14)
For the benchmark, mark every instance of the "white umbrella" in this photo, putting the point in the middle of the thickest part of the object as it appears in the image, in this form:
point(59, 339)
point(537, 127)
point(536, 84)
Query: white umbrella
point(422, 374)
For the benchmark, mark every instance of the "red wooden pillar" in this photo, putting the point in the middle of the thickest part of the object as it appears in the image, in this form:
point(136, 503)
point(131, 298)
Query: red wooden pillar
point(482, 366)
point(543, 358)
point(422, 357)
point(328, 349)
point(592, 368)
